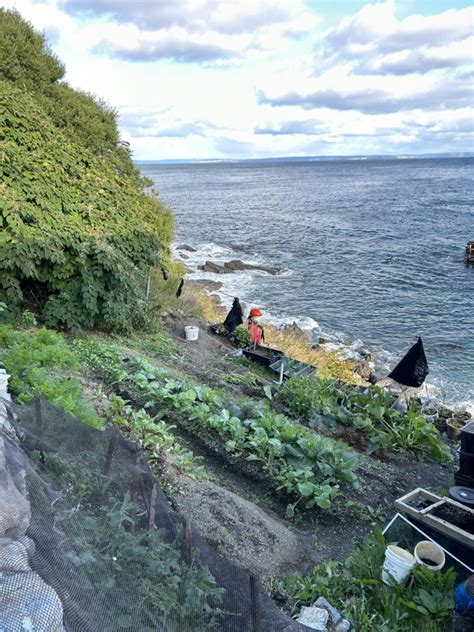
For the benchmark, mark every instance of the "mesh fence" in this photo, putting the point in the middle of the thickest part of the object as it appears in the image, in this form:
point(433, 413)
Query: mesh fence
point(99, 548)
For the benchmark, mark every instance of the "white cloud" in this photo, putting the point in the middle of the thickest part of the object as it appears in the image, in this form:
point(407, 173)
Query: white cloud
point(265, 80)
point(194, 30)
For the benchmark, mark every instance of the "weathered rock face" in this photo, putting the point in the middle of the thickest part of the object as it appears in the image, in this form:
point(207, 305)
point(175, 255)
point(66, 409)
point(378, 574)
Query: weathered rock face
point(26, 601)
point(14, 506)
point(235, 266)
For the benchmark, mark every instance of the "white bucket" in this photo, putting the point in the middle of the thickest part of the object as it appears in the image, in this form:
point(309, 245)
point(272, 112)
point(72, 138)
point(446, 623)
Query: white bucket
point(191, 332)
point(398, 564)
point(426, 550)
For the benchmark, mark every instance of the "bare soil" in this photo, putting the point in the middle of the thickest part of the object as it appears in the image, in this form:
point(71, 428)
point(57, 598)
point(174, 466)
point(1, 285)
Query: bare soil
point(461, 518)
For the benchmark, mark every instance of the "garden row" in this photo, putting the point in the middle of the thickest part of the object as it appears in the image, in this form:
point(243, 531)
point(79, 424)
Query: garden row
point(369, 410)
point(304, 467)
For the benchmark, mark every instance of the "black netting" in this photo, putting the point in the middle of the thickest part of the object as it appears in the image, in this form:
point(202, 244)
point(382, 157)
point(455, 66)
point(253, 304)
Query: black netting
point(103, 538)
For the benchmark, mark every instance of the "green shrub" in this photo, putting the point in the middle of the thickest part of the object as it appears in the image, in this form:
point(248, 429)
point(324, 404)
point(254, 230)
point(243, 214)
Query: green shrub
point(40, 363)
point(77, 241)
point(78, 232)
point(240, 337)
point(24, 57)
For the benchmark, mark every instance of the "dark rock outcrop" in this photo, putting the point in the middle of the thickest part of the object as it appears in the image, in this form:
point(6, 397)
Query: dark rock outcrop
point(186, 247)
point(235, 266)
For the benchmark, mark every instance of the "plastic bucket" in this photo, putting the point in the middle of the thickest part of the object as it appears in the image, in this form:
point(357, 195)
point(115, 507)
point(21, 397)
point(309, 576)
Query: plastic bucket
point(430, 555)
point(398, 564)
point(191, 332)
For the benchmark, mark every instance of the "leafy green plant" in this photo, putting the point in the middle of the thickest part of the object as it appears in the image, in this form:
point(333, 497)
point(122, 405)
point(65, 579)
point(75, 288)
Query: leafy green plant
point(78, 230)
point(108, 545)
point(240, 337)
point(355, 588)
point(368, 410)
point(241, 379)
point(40, 363)
point(306, 467)
point(155, 435)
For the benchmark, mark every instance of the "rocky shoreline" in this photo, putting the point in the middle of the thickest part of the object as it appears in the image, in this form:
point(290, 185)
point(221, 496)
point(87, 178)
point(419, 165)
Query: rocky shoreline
point(363, 367)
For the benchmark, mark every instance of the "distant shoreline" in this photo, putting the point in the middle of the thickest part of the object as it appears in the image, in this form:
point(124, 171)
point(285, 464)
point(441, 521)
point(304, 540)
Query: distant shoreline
point(283, 159)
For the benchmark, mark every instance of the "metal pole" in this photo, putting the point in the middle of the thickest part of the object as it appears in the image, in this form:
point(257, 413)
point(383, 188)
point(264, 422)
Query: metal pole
point(282, 370)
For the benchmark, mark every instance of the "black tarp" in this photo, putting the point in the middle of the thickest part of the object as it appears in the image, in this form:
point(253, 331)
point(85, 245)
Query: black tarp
point(413, 367)
point(180, 288)
point(235, 317)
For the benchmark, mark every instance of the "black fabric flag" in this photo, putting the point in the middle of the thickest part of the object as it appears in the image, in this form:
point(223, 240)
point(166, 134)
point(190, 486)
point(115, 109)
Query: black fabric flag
point(180, 288)
point(235, 317)
point(165, 274)
point(412, 368)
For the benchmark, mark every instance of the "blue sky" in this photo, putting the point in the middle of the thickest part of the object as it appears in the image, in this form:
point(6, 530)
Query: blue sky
point(206, 79)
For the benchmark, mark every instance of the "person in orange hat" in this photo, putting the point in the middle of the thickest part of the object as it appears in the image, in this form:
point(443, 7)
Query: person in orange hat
point(257, 333)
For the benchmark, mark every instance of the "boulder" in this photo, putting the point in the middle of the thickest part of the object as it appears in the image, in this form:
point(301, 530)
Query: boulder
point(185, 247)
point(314, 618)
point(235, 266)
point(26, 601)
point(210, 266)
point(363, 369)
point(14, 506)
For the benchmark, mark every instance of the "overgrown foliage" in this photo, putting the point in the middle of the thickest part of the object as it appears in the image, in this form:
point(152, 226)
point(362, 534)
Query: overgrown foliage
point(111, 557)
point(370, 410)
point(39, 362)
point(78, 232)
point(425, 603)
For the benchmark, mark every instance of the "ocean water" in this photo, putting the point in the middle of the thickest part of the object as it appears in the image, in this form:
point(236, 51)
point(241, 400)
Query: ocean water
point(371, 251)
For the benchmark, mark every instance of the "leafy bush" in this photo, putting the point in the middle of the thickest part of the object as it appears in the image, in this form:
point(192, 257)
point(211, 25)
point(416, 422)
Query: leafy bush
point(128, 561)
point(370, 411)
point(156, 436)
point(24, 56)
point(38, 362)
point(78, 232)
point(240, 337)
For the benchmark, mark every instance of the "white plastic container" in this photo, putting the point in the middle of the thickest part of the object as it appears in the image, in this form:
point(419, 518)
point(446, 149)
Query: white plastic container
point(191, 332)
point(430, 555)
point(398, 564)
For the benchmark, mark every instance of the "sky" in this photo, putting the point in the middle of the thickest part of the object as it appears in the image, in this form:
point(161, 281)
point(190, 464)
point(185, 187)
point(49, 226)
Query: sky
point(234, 79)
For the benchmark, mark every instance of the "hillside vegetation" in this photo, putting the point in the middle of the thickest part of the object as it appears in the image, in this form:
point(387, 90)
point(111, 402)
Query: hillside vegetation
point(78, 231)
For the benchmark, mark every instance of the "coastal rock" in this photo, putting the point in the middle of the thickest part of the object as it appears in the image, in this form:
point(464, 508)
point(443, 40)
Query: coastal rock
point(235, 266)
point(186, 247)
point(210, 266)
point(295, 330)
point(363, 369)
